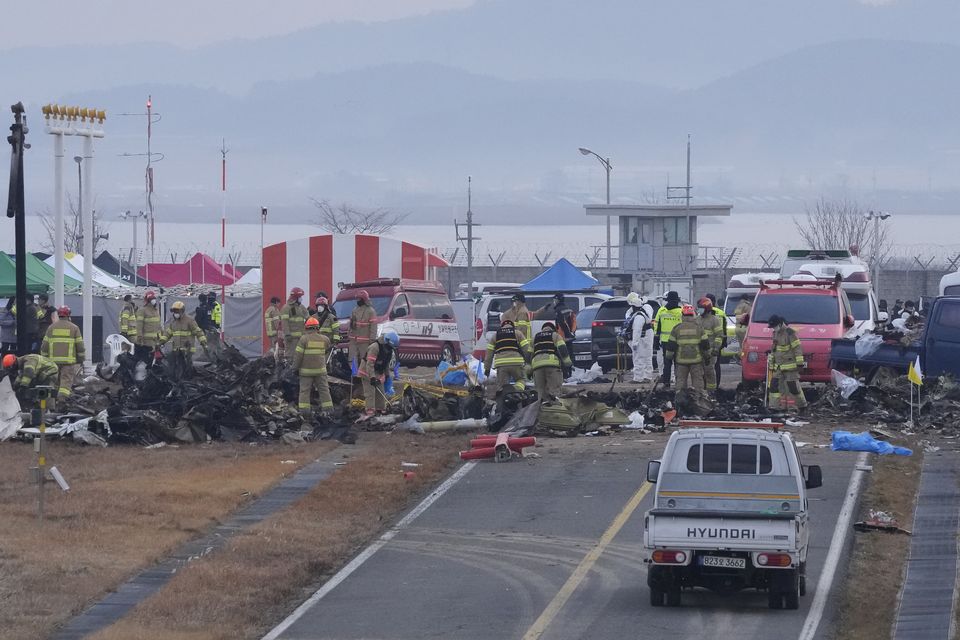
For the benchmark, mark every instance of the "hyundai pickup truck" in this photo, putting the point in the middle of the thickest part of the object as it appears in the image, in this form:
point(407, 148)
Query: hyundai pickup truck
point(730, 513)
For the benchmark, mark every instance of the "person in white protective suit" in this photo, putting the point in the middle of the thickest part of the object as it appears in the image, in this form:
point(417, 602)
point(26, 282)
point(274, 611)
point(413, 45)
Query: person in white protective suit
point(640, 314)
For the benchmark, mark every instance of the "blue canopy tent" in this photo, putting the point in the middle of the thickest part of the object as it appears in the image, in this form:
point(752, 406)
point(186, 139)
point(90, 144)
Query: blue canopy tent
point(562, 276)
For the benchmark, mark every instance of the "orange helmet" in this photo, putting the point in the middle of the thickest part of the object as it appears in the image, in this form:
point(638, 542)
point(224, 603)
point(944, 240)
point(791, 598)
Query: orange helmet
point(149, 295)
point(311, 323)
point(687, 310)
point(9, 361)
point(296, 292)
point(705, 303)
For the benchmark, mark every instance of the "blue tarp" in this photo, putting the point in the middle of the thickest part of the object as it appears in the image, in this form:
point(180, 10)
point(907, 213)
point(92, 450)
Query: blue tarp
point(562, 276)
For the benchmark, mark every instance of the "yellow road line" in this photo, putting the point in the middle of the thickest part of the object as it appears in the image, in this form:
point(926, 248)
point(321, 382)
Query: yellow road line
point(585, 565)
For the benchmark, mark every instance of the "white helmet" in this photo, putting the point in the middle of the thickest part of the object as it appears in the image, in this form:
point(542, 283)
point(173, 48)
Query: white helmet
point(634, 299)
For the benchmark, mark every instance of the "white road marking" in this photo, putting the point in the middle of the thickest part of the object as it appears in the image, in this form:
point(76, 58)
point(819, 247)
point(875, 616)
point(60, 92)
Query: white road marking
point(365, 555)
point(815, 615)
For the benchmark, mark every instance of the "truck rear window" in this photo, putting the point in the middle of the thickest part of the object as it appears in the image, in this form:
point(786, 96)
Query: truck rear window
point(797, 308)
point(719, 458)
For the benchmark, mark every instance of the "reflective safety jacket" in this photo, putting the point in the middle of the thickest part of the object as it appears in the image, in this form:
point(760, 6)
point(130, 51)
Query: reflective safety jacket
point(37, 370)
point(271, 318)
point(549, 350)
point(363, 324)
point(787, 352)
point(685, 341)
point(148, 326)
point(292, 317)
point(743, 309)
point(181, 333)
point(714, 330)
point(329, 325)
point(128, 321)
point(310, 356)
point(217, 314)
point(63, 343)
point(664, 322)
point(377, 361)
point(520, 317)
point(508, 349)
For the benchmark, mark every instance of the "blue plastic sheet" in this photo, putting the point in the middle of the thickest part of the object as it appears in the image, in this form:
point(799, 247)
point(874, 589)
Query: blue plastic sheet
point(846, 441)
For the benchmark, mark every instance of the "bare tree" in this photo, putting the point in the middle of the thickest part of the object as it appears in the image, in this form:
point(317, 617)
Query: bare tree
point(651, 196)
point(73, 230)
point(841, 224)
point(346, 218)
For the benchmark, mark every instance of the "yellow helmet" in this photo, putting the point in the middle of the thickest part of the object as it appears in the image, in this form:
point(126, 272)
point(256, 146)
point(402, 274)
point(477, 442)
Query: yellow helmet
point(177, 306)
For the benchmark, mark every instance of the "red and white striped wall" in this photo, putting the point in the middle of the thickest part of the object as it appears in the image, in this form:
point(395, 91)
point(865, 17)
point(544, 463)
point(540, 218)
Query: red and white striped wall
point(318, 263)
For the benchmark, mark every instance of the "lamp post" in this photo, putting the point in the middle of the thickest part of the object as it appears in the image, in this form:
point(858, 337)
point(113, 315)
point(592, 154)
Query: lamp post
point(135, 258)
point(609, 167)
point(876, 216)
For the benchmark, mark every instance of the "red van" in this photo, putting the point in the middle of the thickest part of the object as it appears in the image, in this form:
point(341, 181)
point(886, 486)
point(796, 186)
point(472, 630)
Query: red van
point(818, 310)
point(418, 310)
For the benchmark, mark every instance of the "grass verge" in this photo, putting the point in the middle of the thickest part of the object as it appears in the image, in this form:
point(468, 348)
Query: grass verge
point(877, 565)
point(267, 570)
point(127, 507)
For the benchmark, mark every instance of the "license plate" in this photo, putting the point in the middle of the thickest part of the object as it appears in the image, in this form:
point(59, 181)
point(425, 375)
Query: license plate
point(723, 562)
point(582, 357)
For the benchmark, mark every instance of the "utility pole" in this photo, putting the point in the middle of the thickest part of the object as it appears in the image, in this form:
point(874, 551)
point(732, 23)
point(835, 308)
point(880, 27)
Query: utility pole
point(223, 188)
point(16, 209)
point(263, 222)
point(469, 238)
point(686, 197)
point(152, 119)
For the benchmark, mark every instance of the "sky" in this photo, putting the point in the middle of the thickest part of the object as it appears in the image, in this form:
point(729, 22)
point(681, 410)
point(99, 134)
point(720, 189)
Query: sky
point(191, 23)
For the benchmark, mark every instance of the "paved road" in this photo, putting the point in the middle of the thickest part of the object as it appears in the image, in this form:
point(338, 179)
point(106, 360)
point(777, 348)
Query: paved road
point(491, 554)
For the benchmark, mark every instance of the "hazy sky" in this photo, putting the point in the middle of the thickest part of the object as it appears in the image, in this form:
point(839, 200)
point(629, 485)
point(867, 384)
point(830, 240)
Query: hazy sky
point(190, 23)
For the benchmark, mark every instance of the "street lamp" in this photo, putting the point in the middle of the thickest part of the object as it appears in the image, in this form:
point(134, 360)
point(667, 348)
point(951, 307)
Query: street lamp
point(135, 262)
point(876, 216)
point(609, 167)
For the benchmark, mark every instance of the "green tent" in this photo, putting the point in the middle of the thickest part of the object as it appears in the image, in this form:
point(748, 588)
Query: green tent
point(36, 282)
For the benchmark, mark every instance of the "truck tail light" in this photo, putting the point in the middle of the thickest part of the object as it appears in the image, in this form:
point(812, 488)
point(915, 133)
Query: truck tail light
point(596, 324)
point(669, 556)
point(774, 559)
point(479, 326)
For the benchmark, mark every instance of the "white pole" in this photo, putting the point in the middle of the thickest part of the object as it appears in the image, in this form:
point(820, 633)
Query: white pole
point(88, 249)
point(58, 240)
point(135, 260)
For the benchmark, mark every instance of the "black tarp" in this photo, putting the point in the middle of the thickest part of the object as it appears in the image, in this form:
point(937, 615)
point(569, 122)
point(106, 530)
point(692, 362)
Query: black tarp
point(112, 266)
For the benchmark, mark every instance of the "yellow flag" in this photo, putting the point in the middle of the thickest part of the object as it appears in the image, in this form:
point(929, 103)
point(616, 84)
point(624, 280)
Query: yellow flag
point(914, 374)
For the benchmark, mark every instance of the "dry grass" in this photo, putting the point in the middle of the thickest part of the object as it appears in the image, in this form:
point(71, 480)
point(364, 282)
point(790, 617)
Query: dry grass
point(127, 507)
point(264, 572)
point(879, 559)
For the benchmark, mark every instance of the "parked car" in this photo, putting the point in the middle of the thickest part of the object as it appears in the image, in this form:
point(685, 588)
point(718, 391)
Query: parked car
point(730, 513)
point(856, 283)
point(818, 310)
point(418, 310)
point(950, 284)
point(582, 346)
point(938, 349)
point(607, 350)
point(491, 305)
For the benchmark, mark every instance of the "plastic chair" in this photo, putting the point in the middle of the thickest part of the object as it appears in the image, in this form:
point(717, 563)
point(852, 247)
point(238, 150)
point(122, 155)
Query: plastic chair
point(117, 344)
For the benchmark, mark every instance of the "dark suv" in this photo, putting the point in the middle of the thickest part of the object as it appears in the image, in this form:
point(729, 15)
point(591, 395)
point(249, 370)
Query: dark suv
point(581, 349)
point(604, 329)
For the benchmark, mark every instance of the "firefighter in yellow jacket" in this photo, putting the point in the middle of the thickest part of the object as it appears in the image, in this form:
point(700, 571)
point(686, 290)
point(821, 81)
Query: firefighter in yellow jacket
point(63, 344)
point(310, 361)
point(376, 368)
point(271, 321)
point(128, 319)
point(550, 363)
point(34, 371)
point(148, 326)
point(714, 327)
point(686, 347)
point(363, 328)
point(519, 315)
point(508, 353)
point(786, 361)
point(292, 316)
point(182, 332)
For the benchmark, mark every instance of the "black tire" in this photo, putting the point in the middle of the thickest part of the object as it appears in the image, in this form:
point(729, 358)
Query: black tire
point(803, 578)
point(673, 597)
point(775, 599)
point(791, 598)
point(657, 597)
point(447, 354)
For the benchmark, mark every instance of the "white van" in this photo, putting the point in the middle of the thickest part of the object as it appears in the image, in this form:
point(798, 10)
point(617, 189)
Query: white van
point(950, 284)
point(856, 284)
point(492, 305)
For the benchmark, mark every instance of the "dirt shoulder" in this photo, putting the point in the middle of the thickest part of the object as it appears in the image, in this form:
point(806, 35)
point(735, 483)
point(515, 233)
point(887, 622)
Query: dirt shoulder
point(127, 507)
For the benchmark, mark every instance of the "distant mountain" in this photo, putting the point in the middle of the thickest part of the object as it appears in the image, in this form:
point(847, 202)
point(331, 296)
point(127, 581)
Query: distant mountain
point(864, 116)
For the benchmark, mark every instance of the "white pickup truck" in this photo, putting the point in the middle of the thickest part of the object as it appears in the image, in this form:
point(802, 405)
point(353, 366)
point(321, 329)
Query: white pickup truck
point(730, 513)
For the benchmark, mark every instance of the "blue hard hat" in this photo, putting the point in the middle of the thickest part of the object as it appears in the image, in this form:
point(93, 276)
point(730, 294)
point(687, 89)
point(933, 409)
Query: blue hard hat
point(391, 336)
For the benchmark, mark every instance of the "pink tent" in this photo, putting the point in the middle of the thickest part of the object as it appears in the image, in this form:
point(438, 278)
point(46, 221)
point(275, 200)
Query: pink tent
point(200, 269)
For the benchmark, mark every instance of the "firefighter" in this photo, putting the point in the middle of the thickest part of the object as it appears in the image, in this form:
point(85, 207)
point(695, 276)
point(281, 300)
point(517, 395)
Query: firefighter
point(720, 313)
point(713, 329)
point(148, 327)
point(363, 329)
point(786, 361)
point(376, 367)
point(310, 361)
point(34, 371)
point(292, 316)
point(518, 314)
point(562, 316)
point(32, 321)
point(668, 317)
point(742, 316)
point(63, 344)
point(329, 325)
point(45, 313)
point(686, 345)
point(551, 362)
point(271, 320)
point(128, 319)
point(181, 333)
point(508, 353)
